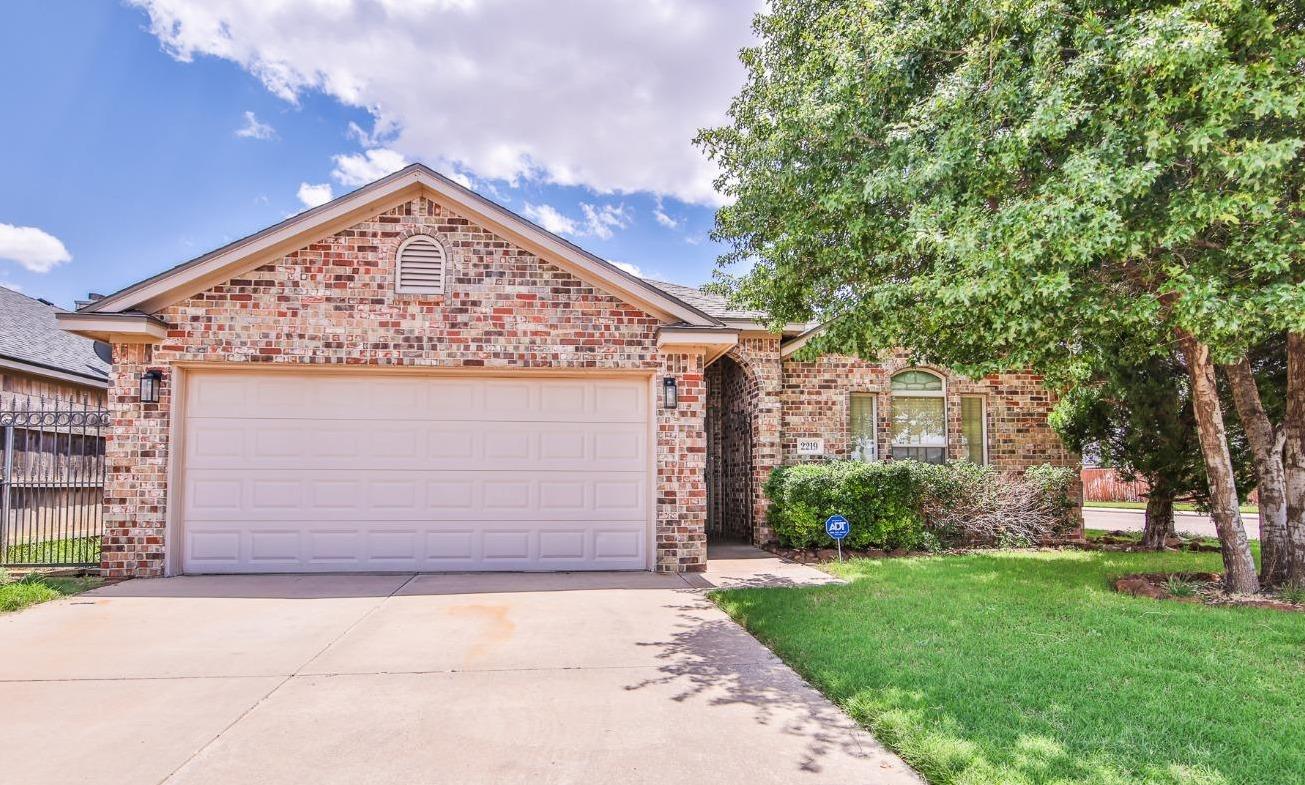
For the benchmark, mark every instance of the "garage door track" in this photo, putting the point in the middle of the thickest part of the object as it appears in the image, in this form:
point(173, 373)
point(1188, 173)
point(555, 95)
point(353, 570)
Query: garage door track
point(492, 678)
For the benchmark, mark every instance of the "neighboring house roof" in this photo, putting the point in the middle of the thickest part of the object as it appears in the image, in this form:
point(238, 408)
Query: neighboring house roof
point(196, 275)
point(31, 341)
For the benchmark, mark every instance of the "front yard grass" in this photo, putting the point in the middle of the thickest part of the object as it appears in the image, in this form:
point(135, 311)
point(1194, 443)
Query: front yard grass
point(34, 589)
point(1024, 668)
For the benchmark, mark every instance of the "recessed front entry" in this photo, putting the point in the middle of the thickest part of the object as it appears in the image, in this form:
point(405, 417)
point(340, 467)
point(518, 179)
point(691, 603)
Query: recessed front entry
point(307, 472)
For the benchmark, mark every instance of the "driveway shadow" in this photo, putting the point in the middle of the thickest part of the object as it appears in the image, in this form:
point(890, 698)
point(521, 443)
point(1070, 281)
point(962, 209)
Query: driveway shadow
point(717, 661)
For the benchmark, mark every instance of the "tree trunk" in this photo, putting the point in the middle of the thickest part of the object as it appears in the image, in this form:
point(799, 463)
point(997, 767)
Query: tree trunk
point(1159, 518)
point(1272, 482)
point(1293, 458)
point(1238, 564)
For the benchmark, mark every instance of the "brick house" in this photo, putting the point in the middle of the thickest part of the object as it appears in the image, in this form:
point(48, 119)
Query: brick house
point(411, 377)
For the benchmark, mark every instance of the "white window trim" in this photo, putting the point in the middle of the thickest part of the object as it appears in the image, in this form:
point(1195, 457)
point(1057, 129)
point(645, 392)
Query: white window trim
point(444, 266)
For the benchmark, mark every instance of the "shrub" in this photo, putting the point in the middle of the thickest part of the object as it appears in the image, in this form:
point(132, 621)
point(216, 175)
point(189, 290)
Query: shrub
point(968, 503)
point(881, 500)
point(918, 506)
point(1177, 586)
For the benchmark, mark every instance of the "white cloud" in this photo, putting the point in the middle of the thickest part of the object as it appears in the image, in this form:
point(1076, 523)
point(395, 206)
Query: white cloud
point(32, 248)
point(662, 218)
point(600, 221)
point(589, 92)
point(629, 268)
point(253, 129)
point(362, 168)
point(548, 217)
point(313, 195)
point(597, 221)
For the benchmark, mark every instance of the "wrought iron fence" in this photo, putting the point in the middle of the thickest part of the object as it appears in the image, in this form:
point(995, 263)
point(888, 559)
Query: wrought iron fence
point(51, 482)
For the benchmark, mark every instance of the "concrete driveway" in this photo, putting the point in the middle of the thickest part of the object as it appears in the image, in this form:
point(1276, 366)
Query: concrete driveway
point(493, 678)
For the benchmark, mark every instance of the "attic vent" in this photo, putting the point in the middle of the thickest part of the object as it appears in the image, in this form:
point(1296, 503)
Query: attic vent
point(420, 266)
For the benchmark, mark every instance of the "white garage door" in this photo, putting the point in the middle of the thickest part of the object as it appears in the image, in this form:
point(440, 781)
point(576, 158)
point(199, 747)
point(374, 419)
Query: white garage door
point(322, 472)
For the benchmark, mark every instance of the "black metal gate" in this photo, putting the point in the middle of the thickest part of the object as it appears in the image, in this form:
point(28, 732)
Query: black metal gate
point(51, 483)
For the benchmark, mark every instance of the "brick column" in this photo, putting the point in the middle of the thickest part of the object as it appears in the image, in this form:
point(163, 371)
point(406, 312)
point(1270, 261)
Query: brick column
point(760, 359)
point(681, 535)
point(136, 466)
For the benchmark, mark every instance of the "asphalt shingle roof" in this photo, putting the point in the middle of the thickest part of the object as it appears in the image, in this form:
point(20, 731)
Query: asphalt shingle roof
point(713, 305)
point(28, 333)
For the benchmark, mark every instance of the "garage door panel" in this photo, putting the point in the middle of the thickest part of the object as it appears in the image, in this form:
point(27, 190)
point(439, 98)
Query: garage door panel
point(339, 397)
point(459, 545)
point(302, 473)
point(216, 443)
point(311, 495)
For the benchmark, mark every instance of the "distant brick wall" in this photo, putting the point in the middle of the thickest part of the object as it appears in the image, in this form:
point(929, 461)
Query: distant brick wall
point(333, 303)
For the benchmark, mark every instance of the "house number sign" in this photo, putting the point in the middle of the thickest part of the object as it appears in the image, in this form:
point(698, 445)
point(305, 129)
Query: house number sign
point(811, 447)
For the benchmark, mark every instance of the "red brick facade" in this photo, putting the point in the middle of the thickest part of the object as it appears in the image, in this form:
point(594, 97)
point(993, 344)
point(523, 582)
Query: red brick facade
point(789, 400)
point(333, 303)
point(816, 396)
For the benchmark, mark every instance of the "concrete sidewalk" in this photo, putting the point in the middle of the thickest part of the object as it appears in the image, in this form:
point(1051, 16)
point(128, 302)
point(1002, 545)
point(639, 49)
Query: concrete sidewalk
point(491, 678)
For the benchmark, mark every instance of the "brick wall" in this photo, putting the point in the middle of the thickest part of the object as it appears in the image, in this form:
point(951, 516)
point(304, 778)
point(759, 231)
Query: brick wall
point(333, 303)
point(681, 468)
point(136, 458)
point(816, 396)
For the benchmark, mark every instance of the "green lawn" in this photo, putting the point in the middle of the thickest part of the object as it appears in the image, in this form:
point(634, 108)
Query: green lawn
point(1013, 667)
point(75, 550)
point(1180, 506)
point(34, 589)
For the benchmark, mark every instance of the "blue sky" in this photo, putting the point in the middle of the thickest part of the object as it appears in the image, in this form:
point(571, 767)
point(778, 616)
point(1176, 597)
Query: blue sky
point(122, 152)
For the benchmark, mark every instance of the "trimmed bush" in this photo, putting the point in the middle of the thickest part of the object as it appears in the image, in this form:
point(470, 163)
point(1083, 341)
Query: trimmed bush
point(916, 506)
point(880, 499)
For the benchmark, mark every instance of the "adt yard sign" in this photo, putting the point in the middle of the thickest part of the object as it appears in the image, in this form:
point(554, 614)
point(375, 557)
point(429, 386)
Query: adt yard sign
point(836, 526)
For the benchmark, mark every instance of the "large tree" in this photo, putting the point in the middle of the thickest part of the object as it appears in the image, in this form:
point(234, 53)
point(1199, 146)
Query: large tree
point(1017, 184)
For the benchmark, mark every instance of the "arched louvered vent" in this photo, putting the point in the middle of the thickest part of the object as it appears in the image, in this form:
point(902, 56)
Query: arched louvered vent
point(420, 266)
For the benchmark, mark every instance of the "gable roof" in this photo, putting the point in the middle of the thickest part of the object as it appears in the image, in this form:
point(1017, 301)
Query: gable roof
point(192, 277)
point(713, 305)
point(31, 340)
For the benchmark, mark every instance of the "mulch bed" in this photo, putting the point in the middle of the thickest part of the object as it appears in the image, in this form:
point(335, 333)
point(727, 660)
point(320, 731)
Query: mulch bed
point(1121, 541)
point(1207, 588)
point(824, 555)
point(1112, 541)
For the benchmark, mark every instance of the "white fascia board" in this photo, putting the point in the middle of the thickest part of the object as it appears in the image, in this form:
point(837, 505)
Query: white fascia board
point(113, 327)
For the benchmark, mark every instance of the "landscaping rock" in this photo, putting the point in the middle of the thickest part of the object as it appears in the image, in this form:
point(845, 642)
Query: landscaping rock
point(1139, 586)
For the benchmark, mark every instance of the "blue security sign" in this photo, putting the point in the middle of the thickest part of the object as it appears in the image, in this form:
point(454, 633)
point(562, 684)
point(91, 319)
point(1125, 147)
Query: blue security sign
point(836, 526)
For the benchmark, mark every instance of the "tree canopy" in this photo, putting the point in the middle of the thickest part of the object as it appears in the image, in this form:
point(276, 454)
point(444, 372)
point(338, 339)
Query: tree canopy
point(998, 185)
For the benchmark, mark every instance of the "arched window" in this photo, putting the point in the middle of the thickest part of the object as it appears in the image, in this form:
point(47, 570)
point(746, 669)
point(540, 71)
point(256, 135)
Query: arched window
point(919, 416)
point(419, 266)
